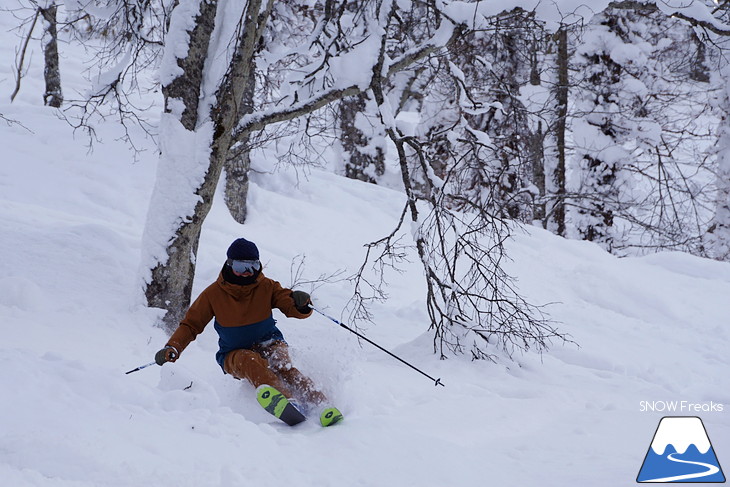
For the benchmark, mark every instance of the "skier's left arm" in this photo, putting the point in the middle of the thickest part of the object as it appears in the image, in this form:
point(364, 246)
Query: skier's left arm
point(294, 304)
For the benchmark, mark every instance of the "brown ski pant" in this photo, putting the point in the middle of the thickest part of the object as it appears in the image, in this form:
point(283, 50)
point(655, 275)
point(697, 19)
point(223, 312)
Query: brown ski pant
point(270, 364)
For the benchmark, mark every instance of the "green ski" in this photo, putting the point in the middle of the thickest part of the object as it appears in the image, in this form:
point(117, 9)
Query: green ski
point(330, 416)
point(277, 404)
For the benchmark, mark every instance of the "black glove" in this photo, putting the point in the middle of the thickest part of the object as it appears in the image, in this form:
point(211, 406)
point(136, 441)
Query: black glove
point(167, 354)
point(302, 301)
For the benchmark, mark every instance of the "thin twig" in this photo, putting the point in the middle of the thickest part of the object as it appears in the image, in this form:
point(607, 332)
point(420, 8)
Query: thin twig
point(21, 62)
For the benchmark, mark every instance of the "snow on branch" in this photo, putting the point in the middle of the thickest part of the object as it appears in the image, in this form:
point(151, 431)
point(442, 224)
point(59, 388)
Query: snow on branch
point(443, 37)
point(713, 25)
point(260, 120)
point(694, 12)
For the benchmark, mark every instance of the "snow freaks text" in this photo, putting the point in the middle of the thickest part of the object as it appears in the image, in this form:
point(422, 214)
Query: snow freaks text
point(681, 407)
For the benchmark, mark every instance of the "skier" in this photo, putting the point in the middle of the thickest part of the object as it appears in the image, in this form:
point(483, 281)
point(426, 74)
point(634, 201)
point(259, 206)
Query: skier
point(251, 347)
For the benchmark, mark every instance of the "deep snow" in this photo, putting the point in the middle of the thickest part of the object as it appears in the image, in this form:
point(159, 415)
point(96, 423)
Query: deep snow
point(72, 320)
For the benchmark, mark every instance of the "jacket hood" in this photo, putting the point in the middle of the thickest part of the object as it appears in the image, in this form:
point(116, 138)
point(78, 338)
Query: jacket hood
point(236, 290)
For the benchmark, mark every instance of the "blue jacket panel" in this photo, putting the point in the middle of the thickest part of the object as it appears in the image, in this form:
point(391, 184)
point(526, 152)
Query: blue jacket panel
point(246, 336)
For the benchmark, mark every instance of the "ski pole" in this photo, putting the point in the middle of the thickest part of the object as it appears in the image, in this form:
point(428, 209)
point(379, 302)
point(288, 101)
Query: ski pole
point(436, 382)
point(141, 367)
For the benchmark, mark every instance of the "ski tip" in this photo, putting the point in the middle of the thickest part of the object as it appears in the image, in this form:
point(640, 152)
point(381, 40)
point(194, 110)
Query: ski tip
point(279, 406)
point(330, 416)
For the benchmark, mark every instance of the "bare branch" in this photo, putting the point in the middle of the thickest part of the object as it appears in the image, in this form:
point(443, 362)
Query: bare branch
point(21, 62)
point(719, 30)
point(298, 279)
point(11, 122)
point(259, 121)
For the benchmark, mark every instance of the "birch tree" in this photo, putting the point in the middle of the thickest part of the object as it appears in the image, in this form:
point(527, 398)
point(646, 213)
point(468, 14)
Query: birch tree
point(555, 165)
point(48, 13)
point(361, 140)
point(717, 238)
point(53, 95)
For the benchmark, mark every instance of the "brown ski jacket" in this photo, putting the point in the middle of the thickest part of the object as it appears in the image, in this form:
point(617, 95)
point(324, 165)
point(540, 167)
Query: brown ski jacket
point(242, 314)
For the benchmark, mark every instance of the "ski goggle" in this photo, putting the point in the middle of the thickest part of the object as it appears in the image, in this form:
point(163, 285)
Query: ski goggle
point(244, 266)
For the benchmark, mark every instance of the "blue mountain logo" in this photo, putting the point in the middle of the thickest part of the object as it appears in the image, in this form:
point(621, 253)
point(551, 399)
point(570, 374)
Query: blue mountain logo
point(681, 452)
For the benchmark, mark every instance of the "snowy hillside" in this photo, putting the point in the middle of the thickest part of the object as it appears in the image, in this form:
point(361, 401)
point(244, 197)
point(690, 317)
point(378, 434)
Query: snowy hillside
point(648, 329)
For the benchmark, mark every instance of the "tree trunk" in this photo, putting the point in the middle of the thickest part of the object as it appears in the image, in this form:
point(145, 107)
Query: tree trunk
point(536, 143)
point(172, 278)
point(537, 156)
point(186, 87)
point(170, 285)
point(717, 239)
point(556, 202)
point(360, 161)
point(238, 161)
point(601, 170)
point(234, 99)
point(699, 70)
point(53, 95)
point(237, 167)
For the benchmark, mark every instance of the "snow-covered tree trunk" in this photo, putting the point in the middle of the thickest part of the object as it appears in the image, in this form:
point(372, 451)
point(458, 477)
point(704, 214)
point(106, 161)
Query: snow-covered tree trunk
point(204, 96)
point(536, 147)
point(364, 158)
point(237, 182)
point(555, 171)
point(598, 133)
point(700, 71)
point(717, 239)
point(238, 162)
point(53, 96)
point(182, 194)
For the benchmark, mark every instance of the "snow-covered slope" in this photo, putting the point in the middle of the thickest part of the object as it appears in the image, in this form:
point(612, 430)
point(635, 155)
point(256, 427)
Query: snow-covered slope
point(72, 321)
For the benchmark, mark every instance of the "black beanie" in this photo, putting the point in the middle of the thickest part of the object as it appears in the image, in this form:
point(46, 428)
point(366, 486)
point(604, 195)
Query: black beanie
point(242, 249)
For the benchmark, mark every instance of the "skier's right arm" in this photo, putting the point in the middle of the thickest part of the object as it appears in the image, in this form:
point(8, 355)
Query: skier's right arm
point(192, 325)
